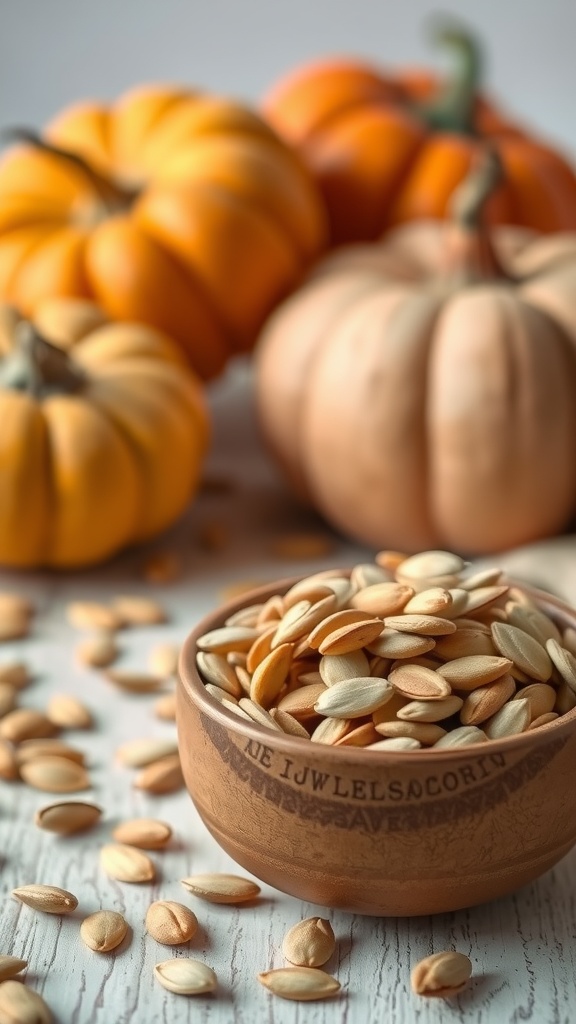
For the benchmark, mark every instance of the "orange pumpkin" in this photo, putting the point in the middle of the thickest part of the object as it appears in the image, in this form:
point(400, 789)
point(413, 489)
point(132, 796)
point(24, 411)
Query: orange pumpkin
point(177, 209)
point(388, 149)
point(421, 397)
point(102, 435)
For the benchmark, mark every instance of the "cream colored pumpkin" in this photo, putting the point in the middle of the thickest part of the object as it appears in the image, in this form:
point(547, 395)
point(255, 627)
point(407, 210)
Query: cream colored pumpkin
point(100, 446)
point(419, 397)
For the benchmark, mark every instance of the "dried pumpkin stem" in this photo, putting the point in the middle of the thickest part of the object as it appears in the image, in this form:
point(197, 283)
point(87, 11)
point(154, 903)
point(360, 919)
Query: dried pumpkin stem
point(38, 367)
point(453, 109)
point(112, 196)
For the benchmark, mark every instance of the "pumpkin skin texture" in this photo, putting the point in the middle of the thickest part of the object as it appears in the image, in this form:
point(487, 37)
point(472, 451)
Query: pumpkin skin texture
point(419, 398)
point(389, 149)
point(103, 434)
point(185, 212)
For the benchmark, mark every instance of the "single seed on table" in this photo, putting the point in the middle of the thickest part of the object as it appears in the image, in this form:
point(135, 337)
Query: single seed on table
point(67, 818)
point(352, 637)
point(290, 725)
point(98, 651)
point(526, 653)
point(335, 668)
point(52, 774)
point(396, 743)
point(127, 863)
point(441, 974)
point(138, 753)
point(513, 718)
point(8, 762)
point(393, 644)
point(163, 776)
point(67, 712)
point(171, 923)
point(216, 670)
point(354, 698)
point(564, 661)
point(430, 710)
point(258, 714)
point(103, 930)
point(15, 673)
point(165, 707)
point(185, 977)
point(309, 943)
point(10, 966)
point(463, 736)
point(221, 888)
point(20, 1005)
point(138, 611)
point(419, 683)
point(361, 736)
point(476, 670)
point(92, 615)
point(144, 833)
point(271, 674)
point(426, 733)
point(30, 750)
point(485, 701)
point(330, 730)
point(540, 696)
point(133, 682)
point(228, 638)
point(25, 724)
point(8, 699)
point(422, 625)
point(301, 703)
point(49, 899)
point(303, 984)
point(382, 598)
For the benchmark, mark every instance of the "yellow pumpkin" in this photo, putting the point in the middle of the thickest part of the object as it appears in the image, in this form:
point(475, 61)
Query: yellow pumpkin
point(102, 434)
point(174, 208)
point(421, 396)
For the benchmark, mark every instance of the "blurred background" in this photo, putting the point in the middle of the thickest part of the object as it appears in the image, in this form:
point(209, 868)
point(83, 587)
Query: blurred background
point(53, 52)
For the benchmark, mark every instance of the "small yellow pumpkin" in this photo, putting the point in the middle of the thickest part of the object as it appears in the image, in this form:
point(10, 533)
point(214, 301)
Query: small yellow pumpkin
point(419, 395)
point(102, 433)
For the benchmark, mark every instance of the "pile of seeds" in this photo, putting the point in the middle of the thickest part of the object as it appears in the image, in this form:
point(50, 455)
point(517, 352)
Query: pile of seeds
point(407, 653)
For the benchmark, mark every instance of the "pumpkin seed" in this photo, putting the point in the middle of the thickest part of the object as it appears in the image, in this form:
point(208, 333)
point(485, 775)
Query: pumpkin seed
point(476, 670)
point(430, 710)
point(302, 984)
point(221, 888)
point(290, 725)
point(485, 701)
point(98, 651)
point(67, 818)
point(163, 776)
point(382, 599)
point(430, 564)
point(138, 753)
point(93, 615)
point(8, 762)
point(67, 712)
point(103, 931)
point(170, 923)
point(134, 682)
point(49, 899)
point(354, 698)
point(335, 668)
point(30, 750)
point(144, 833)
point(165, 708)
point(423, 625)
point(25, 724)
point(271, 674)
point(522, 649)
point(442, 974)
point(396, 743)
point(20, 1005)
point(309, 943)
point(419, 683)
point(351, 637)
point(228, 638)
point(513, 718)
point(52, 774)
point(127, 863)
point(564, 661)
point(185, 977)
point(163, 660)
point(138, 611)
point(463, 736)
point(15, 674)
point(10, 966)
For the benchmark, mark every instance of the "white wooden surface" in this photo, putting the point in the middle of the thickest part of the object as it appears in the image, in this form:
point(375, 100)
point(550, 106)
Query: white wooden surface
point(523, 948)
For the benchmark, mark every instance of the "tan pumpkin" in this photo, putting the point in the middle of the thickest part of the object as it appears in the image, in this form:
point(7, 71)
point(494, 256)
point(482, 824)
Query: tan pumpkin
point(100, 446)
point(421, 396)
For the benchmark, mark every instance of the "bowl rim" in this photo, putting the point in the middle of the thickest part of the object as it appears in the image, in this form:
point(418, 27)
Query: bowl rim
point(190, 682)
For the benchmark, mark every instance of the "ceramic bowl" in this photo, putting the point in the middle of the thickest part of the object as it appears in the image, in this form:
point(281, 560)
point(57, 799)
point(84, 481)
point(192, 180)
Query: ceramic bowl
point(373, 832)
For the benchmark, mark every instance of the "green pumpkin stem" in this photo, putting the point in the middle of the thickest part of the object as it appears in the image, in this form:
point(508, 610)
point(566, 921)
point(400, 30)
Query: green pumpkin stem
point(112, 196)
point(452, 110)
point(37, 367)
point(468, 251)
